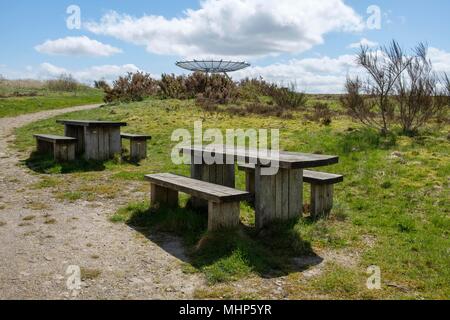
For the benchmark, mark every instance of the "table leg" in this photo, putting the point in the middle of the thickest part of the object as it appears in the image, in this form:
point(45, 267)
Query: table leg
point(78, 133)
point(222, 174)
point(278, 197)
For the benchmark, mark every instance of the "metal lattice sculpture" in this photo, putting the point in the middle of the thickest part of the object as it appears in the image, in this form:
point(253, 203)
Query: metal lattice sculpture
point(213, 66)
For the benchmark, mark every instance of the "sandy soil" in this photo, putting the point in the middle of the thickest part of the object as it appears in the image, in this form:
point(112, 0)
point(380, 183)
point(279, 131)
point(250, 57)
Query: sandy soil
point(39, 243)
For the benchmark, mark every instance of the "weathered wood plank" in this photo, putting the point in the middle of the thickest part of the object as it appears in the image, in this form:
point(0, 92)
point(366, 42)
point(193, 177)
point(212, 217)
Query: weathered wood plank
point(94, 123)
point(285, 194)
point(321, 200)
point(288, 160)
point(223, 215)
point(278, 189)
point(132, 136)
point(106, 149)
point(197, 188)
point(295, 193)
point(101, 149)
point(264, 198)
point(91, 143)
point(317, 177)
point(54, 138)
point(229, 178)
point(115, 145)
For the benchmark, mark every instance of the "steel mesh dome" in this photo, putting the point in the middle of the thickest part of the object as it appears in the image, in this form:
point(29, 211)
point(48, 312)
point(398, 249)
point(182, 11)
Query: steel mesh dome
point(212, 66)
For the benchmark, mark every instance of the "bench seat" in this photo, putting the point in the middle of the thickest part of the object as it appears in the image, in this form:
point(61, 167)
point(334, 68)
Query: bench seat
point(223, 202)
point(138, 145)
point(62, 148)
point(321, 201)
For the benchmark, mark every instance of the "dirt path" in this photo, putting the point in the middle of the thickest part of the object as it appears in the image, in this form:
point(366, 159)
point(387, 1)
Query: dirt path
point(40, 237)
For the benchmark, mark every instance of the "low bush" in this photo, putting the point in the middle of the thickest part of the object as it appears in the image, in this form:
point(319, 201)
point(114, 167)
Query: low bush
point(321, 114)
point(174, 87)
point(132, 87)
point(288, 98)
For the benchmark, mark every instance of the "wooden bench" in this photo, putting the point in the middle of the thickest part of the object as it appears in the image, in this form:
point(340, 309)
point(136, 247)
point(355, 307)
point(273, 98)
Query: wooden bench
point(223, 202)
point(138, 145)
point(322, 188)
point(62, 148)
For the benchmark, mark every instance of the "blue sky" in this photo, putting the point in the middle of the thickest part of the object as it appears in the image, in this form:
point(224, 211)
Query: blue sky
point(305, 41)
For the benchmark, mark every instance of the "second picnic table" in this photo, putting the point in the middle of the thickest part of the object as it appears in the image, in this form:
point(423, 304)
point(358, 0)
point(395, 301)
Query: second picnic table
point(96, 140)
point(277, 196)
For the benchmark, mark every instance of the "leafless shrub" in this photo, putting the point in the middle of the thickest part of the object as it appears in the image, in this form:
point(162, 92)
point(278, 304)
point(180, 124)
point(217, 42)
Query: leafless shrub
point(400, 89)
point(417, 93)
point(132, 87)
point(384, 68)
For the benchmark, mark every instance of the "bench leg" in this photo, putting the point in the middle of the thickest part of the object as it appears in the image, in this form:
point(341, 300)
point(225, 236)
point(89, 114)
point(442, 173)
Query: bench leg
point(163, 196)
point(138, 150)
point(223, 215)
point(43, 147)
point(64, 152)
point(321, 200)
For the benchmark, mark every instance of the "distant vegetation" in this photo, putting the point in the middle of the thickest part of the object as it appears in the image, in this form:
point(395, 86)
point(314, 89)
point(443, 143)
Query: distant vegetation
point(26, 95)
point(213, 93)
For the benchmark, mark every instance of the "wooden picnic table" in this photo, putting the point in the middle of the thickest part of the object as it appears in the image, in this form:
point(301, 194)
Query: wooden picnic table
point(278, 195)
point(96, 140)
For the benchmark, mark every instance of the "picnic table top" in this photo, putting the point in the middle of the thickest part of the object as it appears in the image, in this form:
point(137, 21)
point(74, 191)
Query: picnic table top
point(285, 159)
point(87, 123)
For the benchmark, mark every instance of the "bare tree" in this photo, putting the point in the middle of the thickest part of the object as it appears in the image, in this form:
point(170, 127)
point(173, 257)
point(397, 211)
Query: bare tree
point(417, 92)
point(400, 88)
point(447, 85)
point(384, 67)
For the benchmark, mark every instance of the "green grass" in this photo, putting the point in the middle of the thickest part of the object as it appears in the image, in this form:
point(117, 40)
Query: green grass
point(11, 106)
point(222, 256)
point(392, 208)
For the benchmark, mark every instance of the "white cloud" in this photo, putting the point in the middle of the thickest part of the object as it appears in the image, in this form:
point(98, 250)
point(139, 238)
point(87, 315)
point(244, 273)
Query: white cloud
point(363, 42)
point(234, 28)
point(88, 75)
point(440, 59)
point(312, 75)
point(77, 46)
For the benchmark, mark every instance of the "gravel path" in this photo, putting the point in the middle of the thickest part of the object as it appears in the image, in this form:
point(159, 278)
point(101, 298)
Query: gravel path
point(40, 237)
